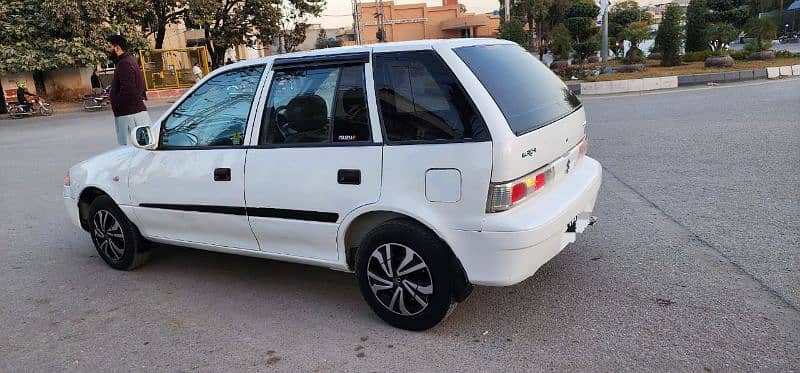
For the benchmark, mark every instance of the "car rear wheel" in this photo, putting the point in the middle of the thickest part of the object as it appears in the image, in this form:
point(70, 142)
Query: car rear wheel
point(404, 276)
point(116, 239)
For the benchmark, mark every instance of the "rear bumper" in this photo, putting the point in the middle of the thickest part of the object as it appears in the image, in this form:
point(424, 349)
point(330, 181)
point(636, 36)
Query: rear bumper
point(514, 244)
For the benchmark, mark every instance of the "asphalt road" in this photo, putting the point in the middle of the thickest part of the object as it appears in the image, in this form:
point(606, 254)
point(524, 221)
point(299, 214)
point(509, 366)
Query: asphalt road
point(694, 265)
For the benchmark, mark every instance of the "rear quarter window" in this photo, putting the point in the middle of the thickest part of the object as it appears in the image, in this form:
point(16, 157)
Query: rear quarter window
point(528, 93)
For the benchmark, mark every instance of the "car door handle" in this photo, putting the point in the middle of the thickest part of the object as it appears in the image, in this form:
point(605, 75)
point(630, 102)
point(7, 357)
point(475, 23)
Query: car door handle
point(222, 174)
point(349, 177)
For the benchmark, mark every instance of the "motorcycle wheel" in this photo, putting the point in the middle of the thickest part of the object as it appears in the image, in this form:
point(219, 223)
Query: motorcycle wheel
point(46, 110)
point(15, 112)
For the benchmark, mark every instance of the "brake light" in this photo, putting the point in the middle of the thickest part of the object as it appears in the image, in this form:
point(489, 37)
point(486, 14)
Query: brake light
point(67, 180)
point(505, 195)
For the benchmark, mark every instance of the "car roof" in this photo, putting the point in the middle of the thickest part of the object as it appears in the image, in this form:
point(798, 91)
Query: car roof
point(378, 47)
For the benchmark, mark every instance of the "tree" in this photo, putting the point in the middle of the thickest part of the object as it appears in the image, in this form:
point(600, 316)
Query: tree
point(733, 12)
point(534, 12)
point(762, 29)
point(561, 42)
point(556, 15)
point(324, 42)
point(696, 24)
point(620, 16)
point(720, 36)
point(636, 33)
point(158, 14)
point(670, 36)
point(44, 35)
point(512, 30)
point(580, 21)
point(294, 21)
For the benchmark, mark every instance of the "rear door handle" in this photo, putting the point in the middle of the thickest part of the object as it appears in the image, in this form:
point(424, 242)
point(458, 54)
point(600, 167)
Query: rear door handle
point(222, 174)
point(349, 177)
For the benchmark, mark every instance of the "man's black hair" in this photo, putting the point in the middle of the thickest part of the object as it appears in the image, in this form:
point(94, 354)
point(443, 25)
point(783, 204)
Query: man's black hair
point(119, 41)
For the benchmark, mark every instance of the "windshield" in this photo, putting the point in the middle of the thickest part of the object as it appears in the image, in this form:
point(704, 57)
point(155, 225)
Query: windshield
point(528, 93)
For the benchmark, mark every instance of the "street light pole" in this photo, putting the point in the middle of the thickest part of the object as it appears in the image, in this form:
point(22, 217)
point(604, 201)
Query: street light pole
point(604, 43)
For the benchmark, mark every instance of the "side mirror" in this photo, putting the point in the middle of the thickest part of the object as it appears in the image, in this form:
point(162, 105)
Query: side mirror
point(143, 138)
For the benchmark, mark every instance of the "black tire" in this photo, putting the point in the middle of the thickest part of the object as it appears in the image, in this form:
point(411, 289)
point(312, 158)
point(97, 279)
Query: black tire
point(121, 246)
point(46, 110)
point(404, 309)
point(15, 112)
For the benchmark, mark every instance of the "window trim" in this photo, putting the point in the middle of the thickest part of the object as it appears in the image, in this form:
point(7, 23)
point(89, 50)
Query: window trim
point(163, 122)
point(319, 64)
point(384, 134)
point(320, 61)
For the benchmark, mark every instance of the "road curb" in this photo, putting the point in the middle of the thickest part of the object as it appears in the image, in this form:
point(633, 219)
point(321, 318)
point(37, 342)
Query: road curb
point(668, 82)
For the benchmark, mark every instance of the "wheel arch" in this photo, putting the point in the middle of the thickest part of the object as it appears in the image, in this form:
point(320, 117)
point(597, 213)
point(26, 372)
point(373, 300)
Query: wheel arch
point(85, 199)
point(359, 224)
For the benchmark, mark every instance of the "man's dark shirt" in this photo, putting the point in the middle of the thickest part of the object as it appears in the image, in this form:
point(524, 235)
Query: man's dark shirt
point(127, 87)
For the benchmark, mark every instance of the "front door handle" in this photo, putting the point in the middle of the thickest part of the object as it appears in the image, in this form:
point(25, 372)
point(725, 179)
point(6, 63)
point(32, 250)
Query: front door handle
point(350, 177)
point(222, 174)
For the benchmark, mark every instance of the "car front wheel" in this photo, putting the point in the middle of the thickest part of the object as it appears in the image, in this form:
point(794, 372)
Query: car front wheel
point(404, 276)
point(116, 239)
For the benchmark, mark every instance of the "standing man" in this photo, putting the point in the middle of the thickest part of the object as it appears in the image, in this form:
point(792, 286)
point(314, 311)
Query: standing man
point(97, 87)
point(127, 90)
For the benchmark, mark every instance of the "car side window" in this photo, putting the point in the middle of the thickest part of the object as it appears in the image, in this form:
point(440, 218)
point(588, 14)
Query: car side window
point(316, 105)
point(215, 114)
point(421, 100)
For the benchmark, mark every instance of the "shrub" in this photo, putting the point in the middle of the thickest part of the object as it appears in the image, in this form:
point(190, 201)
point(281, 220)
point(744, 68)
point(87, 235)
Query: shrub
point(786, 54)
point(513, 30)
point(740, 55)
point(696, 56)
point(670, 36)
point(721, 35)
point(762, 29)
point(696, 23)
point(561, 43)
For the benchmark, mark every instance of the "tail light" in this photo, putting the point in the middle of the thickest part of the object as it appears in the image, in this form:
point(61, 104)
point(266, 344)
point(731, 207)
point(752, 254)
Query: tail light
point(505, 195)
point(67, 181)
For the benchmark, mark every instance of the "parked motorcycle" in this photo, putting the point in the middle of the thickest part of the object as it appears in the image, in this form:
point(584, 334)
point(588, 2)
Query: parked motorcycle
point(789, 37)
point(97, 102)
point(37, 106)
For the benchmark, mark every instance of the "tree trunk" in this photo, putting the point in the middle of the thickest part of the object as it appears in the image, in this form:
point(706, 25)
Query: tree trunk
point(38, 82)
point(531, 39)
point(161, 31)
point(210, 49)
point(540, 32)
point(3, 106)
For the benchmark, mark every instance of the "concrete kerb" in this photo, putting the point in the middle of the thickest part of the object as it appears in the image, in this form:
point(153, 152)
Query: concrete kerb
point(667, 82)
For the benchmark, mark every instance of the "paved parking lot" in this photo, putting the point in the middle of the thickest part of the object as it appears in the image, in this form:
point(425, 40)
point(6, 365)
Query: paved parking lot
point(694, 264)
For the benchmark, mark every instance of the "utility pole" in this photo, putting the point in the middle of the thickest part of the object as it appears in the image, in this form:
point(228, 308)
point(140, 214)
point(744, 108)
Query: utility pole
point(381, 34)
point(356, 23)
point(604, 43)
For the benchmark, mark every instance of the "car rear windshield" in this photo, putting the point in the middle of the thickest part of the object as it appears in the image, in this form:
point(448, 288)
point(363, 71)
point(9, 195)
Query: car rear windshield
point(528, 93)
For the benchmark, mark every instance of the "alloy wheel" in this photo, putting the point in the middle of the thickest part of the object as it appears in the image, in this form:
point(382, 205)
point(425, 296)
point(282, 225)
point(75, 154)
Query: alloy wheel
point(108, 235)
point(399, 279)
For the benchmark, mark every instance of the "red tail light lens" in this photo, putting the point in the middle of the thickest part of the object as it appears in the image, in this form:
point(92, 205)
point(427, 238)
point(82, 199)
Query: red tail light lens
point(504, 196)
point(518, 192)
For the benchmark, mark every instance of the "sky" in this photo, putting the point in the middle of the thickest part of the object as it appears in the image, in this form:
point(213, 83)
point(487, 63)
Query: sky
point(338, 13)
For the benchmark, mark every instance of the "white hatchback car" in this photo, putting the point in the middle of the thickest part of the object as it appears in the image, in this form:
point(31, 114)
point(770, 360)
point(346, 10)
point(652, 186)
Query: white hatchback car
point(424, 167)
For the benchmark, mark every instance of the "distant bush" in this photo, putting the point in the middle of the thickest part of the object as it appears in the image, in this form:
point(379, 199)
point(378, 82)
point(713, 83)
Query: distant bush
point(696, 56)
point(786, 54)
